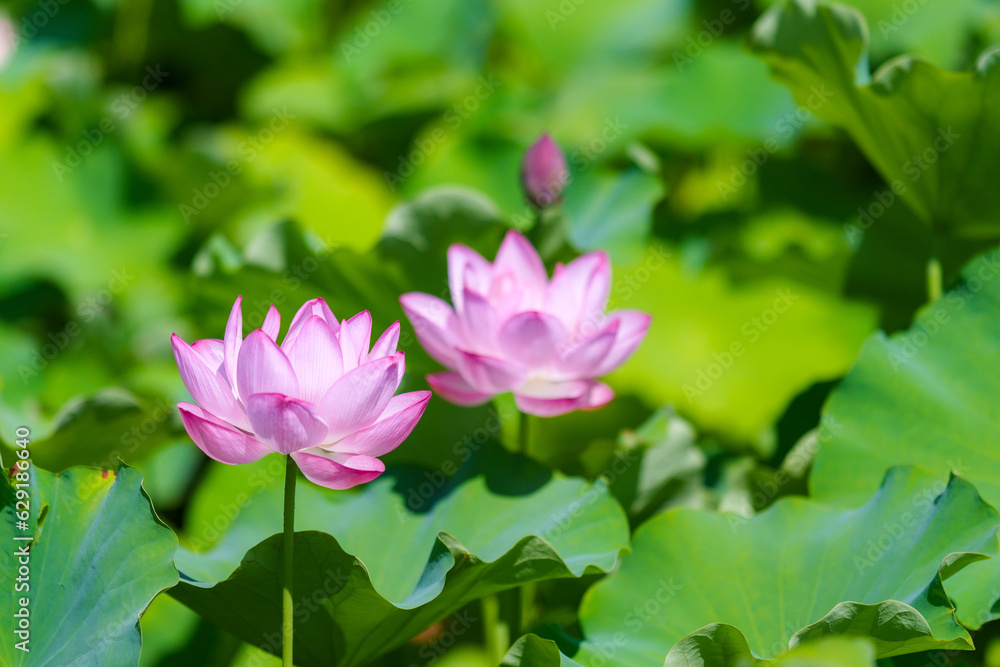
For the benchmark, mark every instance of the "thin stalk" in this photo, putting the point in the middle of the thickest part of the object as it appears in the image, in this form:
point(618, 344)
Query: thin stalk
point(935, 279)
point(496, 634)
point(131, 34)
point(286, 555)
point(523, 433)
point(526, 594)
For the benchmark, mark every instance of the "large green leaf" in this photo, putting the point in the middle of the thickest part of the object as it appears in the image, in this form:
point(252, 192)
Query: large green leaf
point(316, 177)
point(731, 357)
point(420, 58)
point(533, 651)
point(926, 396)
point(795, 573)
point(100, 429)
point(600, 108)
point(377, 567)
point(98, 557)
point(418, 233)
point(725, 646)
point(276, 27)
point(612, 212)
point(657, 465)
point(931, 133)
point(713, 646)
point(938, 31)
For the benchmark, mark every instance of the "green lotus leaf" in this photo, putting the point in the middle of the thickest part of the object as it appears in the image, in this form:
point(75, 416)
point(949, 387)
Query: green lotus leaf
point(418, 233)
point(720, 645)
point(932, 134)
point(926, 396)
point(376, 567)
point(938, 31)
point(732, 356)
point(612, 212)
point(99, 429)
point(533, 651)
point(796, 573)
point(716, 645)
point(98, 556)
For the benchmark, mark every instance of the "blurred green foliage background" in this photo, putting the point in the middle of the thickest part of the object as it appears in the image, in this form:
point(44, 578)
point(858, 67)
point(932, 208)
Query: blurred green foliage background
point(159, 157)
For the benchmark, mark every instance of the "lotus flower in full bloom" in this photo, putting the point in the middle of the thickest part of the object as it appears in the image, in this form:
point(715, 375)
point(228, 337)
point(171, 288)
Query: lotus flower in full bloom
point(513, 329)
point(321, 396)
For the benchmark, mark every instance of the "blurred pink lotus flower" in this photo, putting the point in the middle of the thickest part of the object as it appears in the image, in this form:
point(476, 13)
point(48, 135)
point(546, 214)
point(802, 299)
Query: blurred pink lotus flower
point(320, 396)
point(8, 39)
point(544, 172)
point(513, 329)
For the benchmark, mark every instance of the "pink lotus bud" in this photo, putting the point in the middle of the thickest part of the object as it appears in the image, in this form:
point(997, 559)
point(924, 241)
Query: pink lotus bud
point(321, 396)
point(512, 329)
point(544, 172)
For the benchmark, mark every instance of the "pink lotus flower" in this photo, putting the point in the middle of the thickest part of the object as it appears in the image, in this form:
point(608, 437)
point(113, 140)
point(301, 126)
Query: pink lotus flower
point(320, 396)
point(8, 39)
point(513, 329)
point(544, 172)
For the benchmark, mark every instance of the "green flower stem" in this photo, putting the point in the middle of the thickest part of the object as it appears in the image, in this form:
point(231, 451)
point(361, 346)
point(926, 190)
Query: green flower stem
point(131, 34)
point(286, 555)
point(526, 594)
point(496, 633)
point(934, 279)
point(523, 434)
